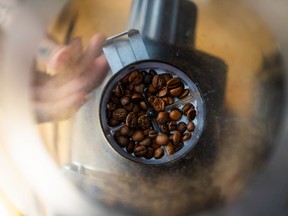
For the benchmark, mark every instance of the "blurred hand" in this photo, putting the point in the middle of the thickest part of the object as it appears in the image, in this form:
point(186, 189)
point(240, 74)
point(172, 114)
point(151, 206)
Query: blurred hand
point(73, 74)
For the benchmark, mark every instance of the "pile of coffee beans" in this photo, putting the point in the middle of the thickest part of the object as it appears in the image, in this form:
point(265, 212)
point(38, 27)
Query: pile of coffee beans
point(142, 114)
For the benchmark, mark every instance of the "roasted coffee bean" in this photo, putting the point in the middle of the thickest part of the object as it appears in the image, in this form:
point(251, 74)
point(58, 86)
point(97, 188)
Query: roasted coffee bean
point(140, 151)
point(184, 94)
point(162, 117)
point(125, 80)
point(146, 132)
point(150, 153)
point(162, 139)
point(151, 89)
point(144, 122)
point(164, 128)
point(129, 107)
point(158, 82)
point(113, 123)
point(141, 113)
point(186, 136)
point(119, 114)
point(155, 145)
point(181, 127)
point(130, 87)
point(152, 72)
point(147, 79)
point(132, 120)
point(170, 148)
point(179, 146)
point(146, 142)
point(124, 130)
point(158, 104)
point(127, 93)
point(119, 91)
point(175, 114)
point(168, 100)
point(135, 77)
point(159, 153)
point(115, 99)
point(174, 83)
point(166, 76)
point(138, 135)
point(163, 92)
point(191, 114)
point(130, 148)
point(152, 134)
point(136, 97)
point(125, 100)
point(122, 141)
point(136, 108)
point(191, 126)
point(143, 105)
point(139, 88)
point(176, 137)
point(176, 92)
point(172, 125)
point(111, 106)
point(187, 107)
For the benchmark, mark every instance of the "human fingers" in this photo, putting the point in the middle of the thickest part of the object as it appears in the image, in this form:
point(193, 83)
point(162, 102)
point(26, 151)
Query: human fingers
point(60, 110)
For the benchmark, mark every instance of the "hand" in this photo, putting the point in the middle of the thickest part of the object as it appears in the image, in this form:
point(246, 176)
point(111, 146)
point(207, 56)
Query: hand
point(74, 73)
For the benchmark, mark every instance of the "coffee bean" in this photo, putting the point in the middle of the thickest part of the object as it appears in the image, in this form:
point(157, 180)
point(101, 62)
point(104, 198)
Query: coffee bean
point(172, 125)
point(176, 137)
point(158, 104)
point(181, 127)
point(111, 106)
point(146, 142)
point(164, 128)
point(147, 79)
point(178, 146)
point(146, 132)
point(162, 117)
point(124, 130)
point(152, 134)
point(122, 141)
point(132, 120)
point(158, 82)
point(163, 92)
point(150, 153)
point(162, 139)
point(174, 83)
point(113, 123)
point(136, 77)
point(187, 107)
point(127, 93)
point(186, 136)
point(190, 126)
point(152, 72)
point(130, 87)
point(143, 105)
point(166, 76)
point(125, 100)
point(119, 91)
point(144, 122)
point(155, 145)
point(152, 89)
point(159, 153)
point(139, 88)
point(191, 114)
point(168, 100)
point(131, 146)
point(136, 108)
point(136, 97)
point(125, 80)
point(184, 94)
point(170, 148)
point(115, 99)
point(175, 92)
point(140, 151)
point(175, 114)
point(138, 135)
point(119, 114)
